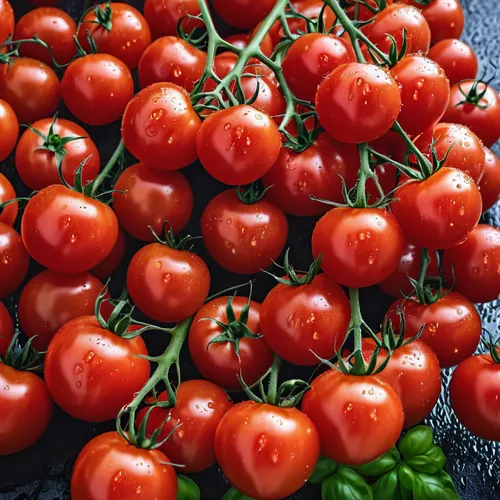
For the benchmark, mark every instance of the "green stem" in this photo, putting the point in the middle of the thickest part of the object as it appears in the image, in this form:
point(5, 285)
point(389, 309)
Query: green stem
point(87, 5)
point(364, 173)
point(109, 166)
point(272, 394)
point(356, 319)
point(425, 260)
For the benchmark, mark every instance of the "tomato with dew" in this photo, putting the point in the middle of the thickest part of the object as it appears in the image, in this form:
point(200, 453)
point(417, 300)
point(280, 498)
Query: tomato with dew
point(445, 18)
point(6, 330)
point(243, 14)
point(9, 129)
point(110, 263)
point(9, 213)
point(163, 16)
point(490, 181)
point(7, 20)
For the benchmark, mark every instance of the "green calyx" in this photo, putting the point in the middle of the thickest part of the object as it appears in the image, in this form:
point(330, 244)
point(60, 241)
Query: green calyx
point(171, 240)
point(493, 347)
point(475, 95)
point(297, 278)
point(103, 16)
point(24, 358)
point(252, 193)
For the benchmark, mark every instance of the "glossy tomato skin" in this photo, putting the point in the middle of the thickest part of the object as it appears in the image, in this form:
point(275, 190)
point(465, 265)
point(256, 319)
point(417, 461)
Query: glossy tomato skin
point(108, 468)
point(426, 215)
point(198, 410)
point(265, 451)
point(9, 129)
point(241, 41)
point(110, 263)
point(37, 168)
point(14, 260)
point(9, 213)
point(475, 396)
point(243, 14)
point(167, 285)
point(445, 19)
point(372, 105)
point(6, 329)
point(146, 197)
point(160, 126)
point(91, 372)
point(22, 394)
point(243, 238)
point(7, 20)
point(360, 247)
point(66, 231)
point(311, 9)
point(358, 417)
point(218, 362)
point(490, 182)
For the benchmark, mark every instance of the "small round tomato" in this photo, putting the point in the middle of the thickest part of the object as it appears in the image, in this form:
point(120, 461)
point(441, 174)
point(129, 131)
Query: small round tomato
point(144, 197)
point(218, 361)
point(266, 451)
point(30, 87)
point(55, 27)
point(6, 330)
point(390, 144)
point(91, 372)
point(445, 18)
point(7, 20)
point(427, 215)
point(163, 16)
point(9, 213)
point(458, 60)
point(360, 12)
point(14, 260)
point(309, 9)
point(243, 14)
point(490, 181)
point(160, 126)
point(199, 407)
point(358, 418)
point(96, 88)
point(67, 231)
point(9, 129)
point(358, 102)
point(120, 31)
point(360, 246)
point(36, 164)
point(241, 41)
point(109, 467)
point(243, 238)
point(110, 263)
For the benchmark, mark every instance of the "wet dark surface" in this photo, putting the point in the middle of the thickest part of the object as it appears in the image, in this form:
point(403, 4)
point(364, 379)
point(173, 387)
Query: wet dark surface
point(43, 471)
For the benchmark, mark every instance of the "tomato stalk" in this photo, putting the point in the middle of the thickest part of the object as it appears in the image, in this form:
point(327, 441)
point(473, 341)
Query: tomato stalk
point(15, 44)
point(119, 151)
point(425, 260)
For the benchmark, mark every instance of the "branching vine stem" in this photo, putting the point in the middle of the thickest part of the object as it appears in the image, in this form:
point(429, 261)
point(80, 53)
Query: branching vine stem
point(109, 167)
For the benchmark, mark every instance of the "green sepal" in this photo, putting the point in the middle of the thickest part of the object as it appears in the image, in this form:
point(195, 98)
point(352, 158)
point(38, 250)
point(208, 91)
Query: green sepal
point(324, 469)
point(346, 484)
point(187, 489)
point(416, 442)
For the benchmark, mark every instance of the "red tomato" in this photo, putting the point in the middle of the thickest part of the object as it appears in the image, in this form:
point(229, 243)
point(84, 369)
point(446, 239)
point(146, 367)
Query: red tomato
point(310, 9)
point(146, 197)
point(387, 175)
point(372, 105)
point(7, 20)
point(6, 330)
point(167, 285)
point(243, 238)
point(110, 264)
point(66, 231)
point(160, 126)
point(96, 88)
point(9, 213)
point(243, 14)
point(360, 246)
point(14, 260)
point(241, 41)
point(445, 18)
point(37, 166)
point(198, 410)
point(218, 362)
point(55, 27)
point(360, 12)
point(427, 215)
point(114, 468)
point(490, 182)
point(391, 144)
point(358, 418)
point(91, 372)
point(9, 129)
point(265, 451)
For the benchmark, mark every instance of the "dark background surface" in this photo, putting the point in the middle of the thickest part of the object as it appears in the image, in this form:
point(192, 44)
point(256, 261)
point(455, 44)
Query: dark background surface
point(43, 471)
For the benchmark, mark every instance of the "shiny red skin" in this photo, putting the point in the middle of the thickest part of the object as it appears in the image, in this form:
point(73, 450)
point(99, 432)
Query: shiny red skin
point(9, 213)
point(243, 14)
point(167, 285)
point(66, 231)
point(7, 20)
point(109, 467)
point(151, 125)
point(9, 129)
point(241, 41)
point(37, 168)
point(265, 451)
point(358, 418)
point(391, 144)
point(110, 263)
point(146, 197)
point(360, 246)
point(490, 181)
point(6, 330)
point(14, 260)
point(198, 410)
point(445, 18)
point(358, 11)
point(312, 10)
point(426, 215)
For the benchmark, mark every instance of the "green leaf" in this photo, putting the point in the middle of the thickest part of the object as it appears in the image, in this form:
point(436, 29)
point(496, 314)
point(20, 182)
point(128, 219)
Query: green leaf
point(406, 477)
point(187, 489)
point(234, 494)
point(430, 487)
point(381, 465)
point(430, 462)
point(416, 442)
point(387, 487)
point(324, 469)
point(346, 484)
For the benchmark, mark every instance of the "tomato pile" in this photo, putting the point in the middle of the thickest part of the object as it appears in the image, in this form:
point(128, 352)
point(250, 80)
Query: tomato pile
point(368, 117)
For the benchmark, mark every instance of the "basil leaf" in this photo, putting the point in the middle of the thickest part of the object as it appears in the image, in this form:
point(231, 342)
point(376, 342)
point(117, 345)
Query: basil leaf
point(187, 489)
point(324, 469)
point(234, 494)
point(346, 484)
point(381, 465)
point(416, 442)
point(430, 487)
point(406, 477)
point(429, 463)
point(387, 487)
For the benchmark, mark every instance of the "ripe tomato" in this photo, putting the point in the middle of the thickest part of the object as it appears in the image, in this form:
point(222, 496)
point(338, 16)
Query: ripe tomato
point(241, 41)
point(426, 214)
point(266, 451)
point(96, 88)
point(7, 20)
point(109, 467)
point(218, 361)
point(127, 36)
point(6, 330)
point(358, 11)
point(9, 213)
point(474, 266)
point(198, 410)
point(23, 396)
point(458, 60)
point(36, 164)
point(358, 418)
point(14, 260)
point(55, 27)
point(243, 14)
point(110, 263)
point(391, 144)
point(167, 285)
point(360, 246)
point(66, 231)
point(310, 9)
point(243, 238)
point(9, 129)
point(145, 197)
point(159, 127)
point(358, 102)
point(91, 372)
point(490, 182)
point(30, 87)
point(445, 18)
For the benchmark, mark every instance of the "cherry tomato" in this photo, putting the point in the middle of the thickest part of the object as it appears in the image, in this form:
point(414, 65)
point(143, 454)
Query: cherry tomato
point(358, 102)
point(37, 166)
point(360, 12)
point(266, 451)
point(9, 129)
point(445, 18)
point(310, 9)
point(391, 144)
point(109, 467)
point(358, 418)
point(146, 197)
point(160, 126)
point(490, 181)
point(14, 260)
point(66, 231)
point(96, 88)
point(243, 14)
point(241, 41)
point(6, 330)
point(110, 264)
point(218, 362)
point(243, 238)
point(9, 213)
point(7, 20)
